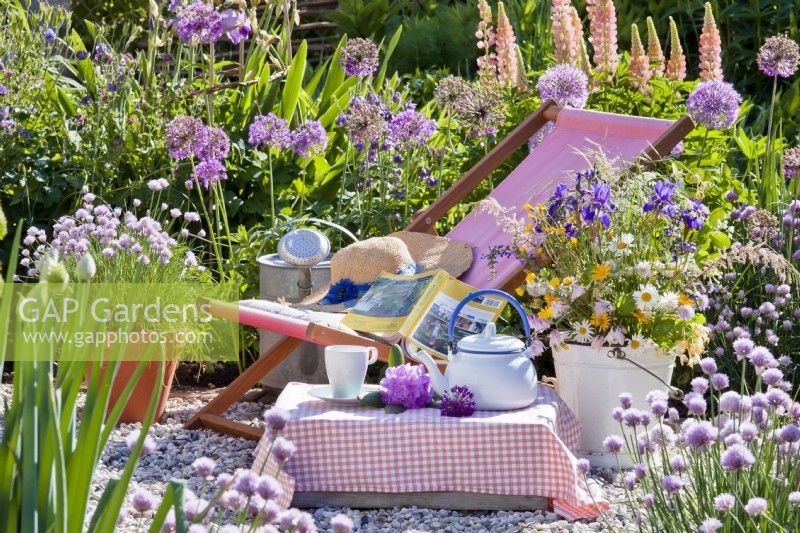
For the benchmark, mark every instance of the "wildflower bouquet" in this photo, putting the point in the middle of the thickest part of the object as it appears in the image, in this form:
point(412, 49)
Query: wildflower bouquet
point(610, 261)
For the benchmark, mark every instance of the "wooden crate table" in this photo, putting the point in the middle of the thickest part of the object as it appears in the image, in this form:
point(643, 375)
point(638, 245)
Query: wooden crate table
point(362, 457)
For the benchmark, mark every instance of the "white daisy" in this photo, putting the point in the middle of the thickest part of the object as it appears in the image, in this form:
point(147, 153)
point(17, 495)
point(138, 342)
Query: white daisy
point(646, 297)
point(668, 302)
point(622, 244)
point(637, 342)
point(643, 269)
point(582, 332)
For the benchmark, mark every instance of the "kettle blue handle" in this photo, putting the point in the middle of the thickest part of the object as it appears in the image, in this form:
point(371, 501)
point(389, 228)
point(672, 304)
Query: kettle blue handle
point(486, 292)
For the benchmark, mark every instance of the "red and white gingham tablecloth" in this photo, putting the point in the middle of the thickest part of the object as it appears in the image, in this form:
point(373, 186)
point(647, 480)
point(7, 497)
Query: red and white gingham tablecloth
point(526, 452)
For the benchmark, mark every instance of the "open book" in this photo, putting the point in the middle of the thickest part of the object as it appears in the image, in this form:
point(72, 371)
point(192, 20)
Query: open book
point(419, 308)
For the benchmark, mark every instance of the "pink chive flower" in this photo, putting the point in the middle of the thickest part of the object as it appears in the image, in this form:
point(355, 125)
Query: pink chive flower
point(654, 51)
point(639, 67)
point(506, 50)
point(603, 34)
point(710, 48)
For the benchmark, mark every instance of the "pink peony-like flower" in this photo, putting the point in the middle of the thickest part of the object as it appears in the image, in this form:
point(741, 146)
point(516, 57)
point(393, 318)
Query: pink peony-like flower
point(710, 48)
point(407, 385)
point(676, 66)
point(639, 67)
point(654, 51)
point(506, 50)
point(603, 34)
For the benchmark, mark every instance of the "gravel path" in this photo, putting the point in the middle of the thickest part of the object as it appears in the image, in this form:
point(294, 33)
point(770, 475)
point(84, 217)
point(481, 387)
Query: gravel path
point(178, 448)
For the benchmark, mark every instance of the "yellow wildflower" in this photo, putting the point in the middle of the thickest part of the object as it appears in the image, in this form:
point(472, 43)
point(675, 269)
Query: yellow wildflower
point(602, 322)
point(522, 249)
point(601, 272)
point(550, 298)
point(520, 291)
point(642, 316)
point(684, 300)
point(573, 241)
point(530, 277)
point(555, 282)
point(567, 281)
point(527, 206)
point(545, 313)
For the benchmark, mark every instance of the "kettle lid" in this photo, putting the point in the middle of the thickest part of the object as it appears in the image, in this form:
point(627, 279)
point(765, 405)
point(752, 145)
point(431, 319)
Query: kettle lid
point(490, 343)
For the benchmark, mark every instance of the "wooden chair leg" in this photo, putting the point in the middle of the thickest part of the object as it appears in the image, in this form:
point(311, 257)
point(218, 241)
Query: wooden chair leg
point(242, 384)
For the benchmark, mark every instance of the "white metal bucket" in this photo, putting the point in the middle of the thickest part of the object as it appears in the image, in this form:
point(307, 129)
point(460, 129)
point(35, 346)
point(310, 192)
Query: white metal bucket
point(590, 383)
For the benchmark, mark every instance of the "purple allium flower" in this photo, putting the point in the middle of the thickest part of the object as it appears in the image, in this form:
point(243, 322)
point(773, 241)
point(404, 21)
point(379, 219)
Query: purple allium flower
point(407, 385)
point(697, 406)
point(215, 145)
point(724, 502)
point(626, 400)
point(194, 507)
point(736, 458)
point(283, 449)
point(204, 466)
point(224, 480)
point(270, 512)
point(742, 347)
point(565, 84)
point(450, 94)
point(235, 25)
point(708, 366)
point(779, 56)
point(755, 506)
point(309, 138)
point(791, 162)
point(630, 480)
point(659, 408)
point(268, 488)
point(632, 417)
point(364, 121)
point(677, 464)
point(199, 22)
point(616, 414)
point(613, 443)
point(270, 131)
point(714, 104)
point(710, 525)
point(772, 376)
point(148, 446)
point(458, 401)
point(183, 134)
point(778, 398)
point(246, 482)
point(49, 35)
point(142, 501)
point(730, 402)
point(700, 385)
point(209, 172)
point(341, 524)
point(289, 519)
point(359, 57)
point(700, 435)
point(582, 466)
point(232, 500)
point(306, 524)
point(410, 129)
point(720, 381)
point(276, 419)
point(790, 433)
point(671, 484)
point(648, 500)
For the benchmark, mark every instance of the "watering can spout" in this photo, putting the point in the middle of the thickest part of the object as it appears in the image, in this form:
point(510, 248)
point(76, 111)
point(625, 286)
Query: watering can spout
point(439, 382)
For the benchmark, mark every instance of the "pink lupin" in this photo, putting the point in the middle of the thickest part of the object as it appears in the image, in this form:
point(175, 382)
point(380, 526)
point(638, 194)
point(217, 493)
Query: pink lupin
point(710, 48)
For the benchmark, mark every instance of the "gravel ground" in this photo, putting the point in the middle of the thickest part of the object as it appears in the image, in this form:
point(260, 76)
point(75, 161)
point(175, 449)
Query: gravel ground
point(178, 448)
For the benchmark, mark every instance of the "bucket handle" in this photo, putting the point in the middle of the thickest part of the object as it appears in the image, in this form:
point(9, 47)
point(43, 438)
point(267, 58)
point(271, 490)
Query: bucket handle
point(618, 353)
point(451, 330)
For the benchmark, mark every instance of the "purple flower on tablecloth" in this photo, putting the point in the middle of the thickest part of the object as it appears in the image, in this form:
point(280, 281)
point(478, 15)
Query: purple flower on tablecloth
point(276, 419)
point(283, 449)
point(714, 104)
point(565, 84)
point(458, 401)
point(779, 56)
point(359, 57)
point(407, 385)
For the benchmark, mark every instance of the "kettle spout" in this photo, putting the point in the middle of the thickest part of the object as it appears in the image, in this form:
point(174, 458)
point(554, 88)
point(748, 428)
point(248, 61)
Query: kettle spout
point(439, 382)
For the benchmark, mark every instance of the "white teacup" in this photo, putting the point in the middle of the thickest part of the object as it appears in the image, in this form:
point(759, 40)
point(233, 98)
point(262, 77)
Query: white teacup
point(346, 366)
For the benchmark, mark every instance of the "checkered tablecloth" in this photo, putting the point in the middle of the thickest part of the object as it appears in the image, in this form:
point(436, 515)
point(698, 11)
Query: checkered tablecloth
point(526, 452)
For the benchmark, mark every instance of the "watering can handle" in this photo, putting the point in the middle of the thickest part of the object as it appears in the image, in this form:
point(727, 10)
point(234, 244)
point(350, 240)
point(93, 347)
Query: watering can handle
point(487, 292)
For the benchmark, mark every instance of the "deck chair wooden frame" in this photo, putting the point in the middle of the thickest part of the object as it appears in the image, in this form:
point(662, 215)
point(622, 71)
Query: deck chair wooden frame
point(210, 416)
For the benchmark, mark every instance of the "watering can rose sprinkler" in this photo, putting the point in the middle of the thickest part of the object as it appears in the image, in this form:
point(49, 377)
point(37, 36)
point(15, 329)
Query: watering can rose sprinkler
point(496, 368)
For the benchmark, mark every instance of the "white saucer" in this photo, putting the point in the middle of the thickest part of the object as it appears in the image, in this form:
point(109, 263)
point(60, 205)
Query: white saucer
point(325, 393)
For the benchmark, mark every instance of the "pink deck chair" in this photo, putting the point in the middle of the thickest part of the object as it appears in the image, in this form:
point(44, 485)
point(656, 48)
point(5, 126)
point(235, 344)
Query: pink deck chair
point(625, 140)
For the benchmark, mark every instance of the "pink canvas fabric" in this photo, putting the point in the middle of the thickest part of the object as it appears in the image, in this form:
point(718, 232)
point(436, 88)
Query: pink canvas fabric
point(359, 449)
point(565, 150)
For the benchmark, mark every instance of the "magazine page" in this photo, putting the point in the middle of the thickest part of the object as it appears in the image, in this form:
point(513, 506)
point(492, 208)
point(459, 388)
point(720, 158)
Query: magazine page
point(391, 299)
point(428, 328)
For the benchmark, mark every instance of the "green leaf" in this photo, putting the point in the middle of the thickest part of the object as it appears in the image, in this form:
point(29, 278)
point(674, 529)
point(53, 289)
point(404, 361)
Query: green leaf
point(335, 76)
point(386, 56)
point(720, 240)
point(395, 356)
point(294, 81)
point(372, 399)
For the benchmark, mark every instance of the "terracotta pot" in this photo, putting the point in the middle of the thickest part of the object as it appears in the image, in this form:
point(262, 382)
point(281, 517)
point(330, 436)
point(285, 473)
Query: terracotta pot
point(136, 408)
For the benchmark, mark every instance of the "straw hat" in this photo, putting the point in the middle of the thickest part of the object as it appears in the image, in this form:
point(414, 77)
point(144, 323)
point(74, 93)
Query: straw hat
point(355, 267)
